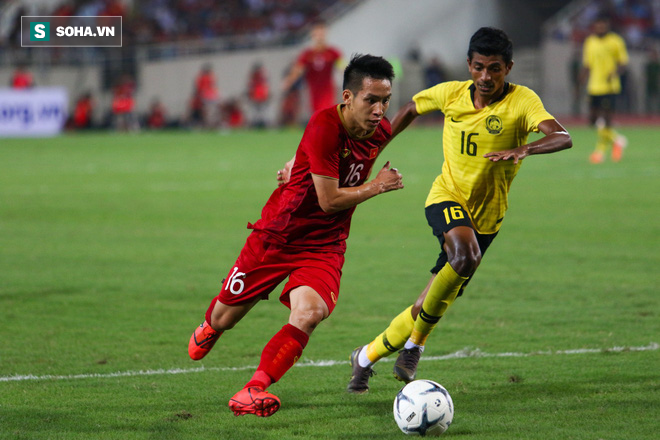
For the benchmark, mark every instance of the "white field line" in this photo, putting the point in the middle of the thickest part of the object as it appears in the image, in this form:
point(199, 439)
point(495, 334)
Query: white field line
point(461, 354)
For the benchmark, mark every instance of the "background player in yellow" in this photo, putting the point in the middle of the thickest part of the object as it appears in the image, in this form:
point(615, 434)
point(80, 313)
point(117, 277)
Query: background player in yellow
point(604, 60)
point(487, 122)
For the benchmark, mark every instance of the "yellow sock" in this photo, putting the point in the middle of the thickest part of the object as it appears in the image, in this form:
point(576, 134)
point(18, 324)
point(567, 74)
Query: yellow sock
point(441, 295)
point(393, 338)
point(611, 134)
point(604, 139)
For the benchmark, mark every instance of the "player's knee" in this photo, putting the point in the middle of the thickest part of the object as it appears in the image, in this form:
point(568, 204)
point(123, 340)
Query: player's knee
point(222, 322)
point(308, 317)
point(466, 261)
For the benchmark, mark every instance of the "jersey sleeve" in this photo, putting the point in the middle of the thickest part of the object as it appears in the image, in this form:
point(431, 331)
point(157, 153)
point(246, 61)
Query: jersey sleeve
point(431, 99)
point(321, 142)
point(533, 111)
point(622, 53)
point(303, 58)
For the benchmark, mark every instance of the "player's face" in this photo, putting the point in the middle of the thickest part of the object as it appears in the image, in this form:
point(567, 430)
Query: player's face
point(601, 27)
point(489, 75)
point(318, 34)
point(367, 108)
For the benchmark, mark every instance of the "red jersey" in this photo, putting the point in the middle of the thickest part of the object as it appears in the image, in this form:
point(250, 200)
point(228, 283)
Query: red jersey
point(205, 85)
point(319, 68)
point(22, 80)
point(292, 216)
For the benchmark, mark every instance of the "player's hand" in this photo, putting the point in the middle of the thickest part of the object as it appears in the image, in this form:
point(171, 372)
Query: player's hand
point(515, 154)
point(388, 179)
point(284, 174)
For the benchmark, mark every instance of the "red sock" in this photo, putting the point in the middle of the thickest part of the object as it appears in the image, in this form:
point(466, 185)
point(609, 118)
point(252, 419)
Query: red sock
point(210, 310)
point(279, 355)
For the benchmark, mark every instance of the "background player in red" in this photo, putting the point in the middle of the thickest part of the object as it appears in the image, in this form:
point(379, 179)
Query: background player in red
point(303, 229)
point(21, 78)
point(83, 112)
point(258, 94)
point(317, 63)
point(207, 92)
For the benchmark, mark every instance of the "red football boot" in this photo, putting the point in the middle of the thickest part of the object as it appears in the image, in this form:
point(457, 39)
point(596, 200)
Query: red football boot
point(202, 341)
point(254, 400)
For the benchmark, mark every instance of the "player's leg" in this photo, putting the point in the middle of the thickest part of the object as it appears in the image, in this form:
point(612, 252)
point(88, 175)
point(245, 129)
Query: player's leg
point(459, 257)
point(238, 295)
point(219, 317)
point(389, 341)
point(280, 354)
point(602, 111)
point(311, 294)
point(597, 119)
point(615, 139)
point(463, 256)
point(405, 367)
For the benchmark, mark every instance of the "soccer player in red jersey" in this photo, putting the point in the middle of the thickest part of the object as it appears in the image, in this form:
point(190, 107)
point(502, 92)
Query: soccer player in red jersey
point(21, 79)
point(317, 64)
point(303, 229)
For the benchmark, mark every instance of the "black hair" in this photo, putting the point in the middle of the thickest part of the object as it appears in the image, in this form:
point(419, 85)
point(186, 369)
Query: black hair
point(366, 66)
point(603, 16)
point(490, 41)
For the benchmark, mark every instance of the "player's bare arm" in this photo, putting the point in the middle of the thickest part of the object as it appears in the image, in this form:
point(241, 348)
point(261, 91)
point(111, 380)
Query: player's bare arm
point(296, 72)
point(404, 117)
point(333, 198)
point(556, 139)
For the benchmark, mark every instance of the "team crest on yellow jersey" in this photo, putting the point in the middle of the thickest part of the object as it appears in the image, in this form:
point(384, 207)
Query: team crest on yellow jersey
point(494, 124)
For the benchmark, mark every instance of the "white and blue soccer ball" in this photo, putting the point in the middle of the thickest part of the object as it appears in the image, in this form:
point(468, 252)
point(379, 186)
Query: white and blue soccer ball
point(423, 407)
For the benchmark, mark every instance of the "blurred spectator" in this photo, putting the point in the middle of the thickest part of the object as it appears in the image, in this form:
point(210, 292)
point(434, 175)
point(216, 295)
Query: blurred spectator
point(258, 93)
point(434, 72)
point(317, 64)
point(112, 8)
point(636, 20)
point(231, 114)
point(265, 20)
point(652, 79)
point(90, 8)
point(157, 116)
point(21, 78)
point(82, 113)
point(195, 117)
point(123, 104)
point(66, 9)
point(207, 91)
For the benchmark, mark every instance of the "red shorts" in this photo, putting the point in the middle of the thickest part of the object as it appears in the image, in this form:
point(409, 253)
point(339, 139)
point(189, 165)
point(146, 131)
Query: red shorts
point(262, 266)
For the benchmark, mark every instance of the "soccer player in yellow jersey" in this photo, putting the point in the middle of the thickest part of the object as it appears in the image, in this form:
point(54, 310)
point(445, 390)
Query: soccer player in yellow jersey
point(604, 60)
point(487, 121)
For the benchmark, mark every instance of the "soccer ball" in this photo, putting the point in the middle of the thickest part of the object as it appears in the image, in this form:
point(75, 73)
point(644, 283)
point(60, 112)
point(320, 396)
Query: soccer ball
point(423, 407)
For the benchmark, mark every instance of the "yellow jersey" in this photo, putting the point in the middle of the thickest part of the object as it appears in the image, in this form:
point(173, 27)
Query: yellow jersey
point(602, 56)
point(479, 185)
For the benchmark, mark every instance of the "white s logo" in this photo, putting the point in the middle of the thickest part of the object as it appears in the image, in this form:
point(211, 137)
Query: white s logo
point(40, 31)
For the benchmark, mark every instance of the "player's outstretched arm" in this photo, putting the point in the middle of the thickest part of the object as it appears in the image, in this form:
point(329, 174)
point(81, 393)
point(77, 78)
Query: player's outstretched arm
point(296, 72)
point(556, 139)
point(404, 117)
point(333, 198)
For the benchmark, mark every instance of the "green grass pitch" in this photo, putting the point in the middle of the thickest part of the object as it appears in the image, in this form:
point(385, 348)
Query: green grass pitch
point(111, 247)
